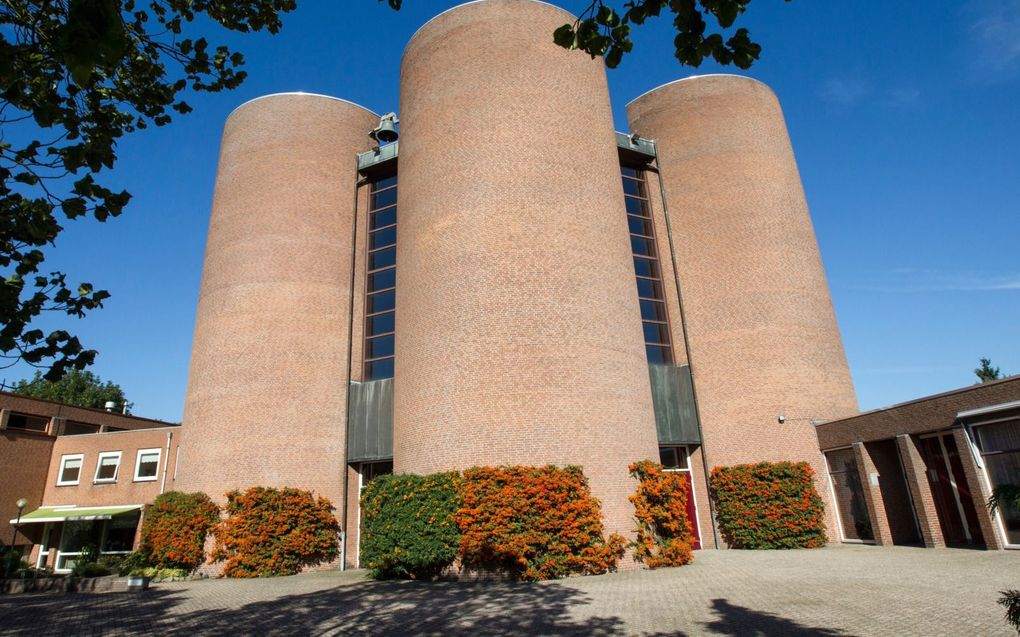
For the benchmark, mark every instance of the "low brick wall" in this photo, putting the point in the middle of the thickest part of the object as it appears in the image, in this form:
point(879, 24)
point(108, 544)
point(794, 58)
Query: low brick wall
point(107, 584)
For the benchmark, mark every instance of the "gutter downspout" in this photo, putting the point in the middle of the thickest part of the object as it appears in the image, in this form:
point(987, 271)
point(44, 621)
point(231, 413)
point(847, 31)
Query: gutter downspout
point(687, 345)
point(358, 183)
point(166, 462)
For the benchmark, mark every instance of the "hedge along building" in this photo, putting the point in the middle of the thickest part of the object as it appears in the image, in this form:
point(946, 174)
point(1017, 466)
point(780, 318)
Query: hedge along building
point(551, 291)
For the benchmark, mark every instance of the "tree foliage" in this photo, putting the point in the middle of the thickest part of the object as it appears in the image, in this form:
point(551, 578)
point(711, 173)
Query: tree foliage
point(986, 373)
point(76, 76)
point(602, 29)
point(77, 387)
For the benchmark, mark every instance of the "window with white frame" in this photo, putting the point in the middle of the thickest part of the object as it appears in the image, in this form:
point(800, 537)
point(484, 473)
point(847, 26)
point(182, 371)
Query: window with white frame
point(108, 467)
point(70, 469)
point(147, 465)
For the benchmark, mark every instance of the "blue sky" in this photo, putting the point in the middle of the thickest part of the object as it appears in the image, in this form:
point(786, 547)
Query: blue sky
point(904, 121)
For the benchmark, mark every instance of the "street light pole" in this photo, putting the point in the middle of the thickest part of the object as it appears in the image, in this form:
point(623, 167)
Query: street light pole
point(14, 536)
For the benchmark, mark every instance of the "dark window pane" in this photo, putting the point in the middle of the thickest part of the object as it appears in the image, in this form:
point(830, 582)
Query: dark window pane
point(381, 301)
point(658, 355)
point(383, 218)
point(381, 324)
point(70, 469)
point(379, 369)
point(383, 199)
point(382, 238)
point(385, 182)
point(382, 259)
point(630, 172)
point(31, 423)
point(636, 206)
point(632, 187)
point(642, 246)
point(653, 311)
point(120, 532)
point(668, 457)
point(379, 347)
point(639, 225)
point(148, 465)
point(372, 470)
point(107, 469)
point(646, 267)
point(649, 289)
point(72, 428)
point(656, 333)
point(382, 280)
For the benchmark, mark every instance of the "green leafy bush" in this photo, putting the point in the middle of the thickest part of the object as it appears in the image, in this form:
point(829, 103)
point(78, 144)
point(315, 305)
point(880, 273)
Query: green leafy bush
point(11, 563)
point(132, 562)
point(768, 506)
point(1010, 599)
point(407, 525)
point(175, 528)
point(275, 532)
point(160, 574)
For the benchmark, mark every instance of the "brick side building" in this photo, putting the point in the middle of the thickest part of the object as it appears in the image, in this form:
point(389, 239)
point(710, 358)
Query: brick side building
point(921, 472)
point(551, 291)
point(84, 474)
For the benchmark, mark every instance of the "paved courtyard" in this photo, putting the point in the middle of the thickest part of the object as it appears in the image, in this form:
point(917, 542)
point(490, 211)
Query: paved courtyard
point(845, 590)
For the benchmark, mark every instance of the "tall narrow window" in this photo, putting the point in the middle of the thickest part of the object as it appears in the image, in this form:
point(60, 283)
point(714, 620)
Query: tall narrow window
point(646, 267)
point(381, 284)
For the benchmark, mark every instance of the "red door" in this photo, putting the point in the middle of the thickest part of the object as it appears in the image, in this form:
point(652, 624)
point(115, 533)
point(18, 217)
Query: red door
point(692, 515)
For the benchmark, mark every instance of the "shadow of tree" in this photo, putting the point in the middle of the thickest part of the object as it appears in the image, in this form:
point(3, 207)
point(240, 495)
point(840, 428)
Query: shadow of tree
point(381, 609)
point(737, 620)
point(372, 608)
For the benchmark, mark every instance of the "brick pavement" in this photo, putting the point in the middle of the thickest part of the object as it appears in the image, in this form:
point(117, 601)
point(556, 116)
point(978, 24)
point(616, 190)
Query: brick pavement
point(843, 590)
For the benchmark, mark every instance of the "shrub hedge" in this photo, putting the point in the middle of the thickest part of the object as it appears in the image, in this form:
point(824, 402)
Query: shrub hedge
point(534, 523)
point(531, 523)
point(175, 528)
point(407, 525)
point(664, 535)
point(275, 532)
point(768, 506)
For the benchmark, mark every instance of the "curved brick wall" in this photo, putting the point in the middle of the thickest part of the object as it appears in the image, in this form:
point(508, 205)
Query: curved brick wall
point(265, 400)
point(518, 332)
point(763, 336)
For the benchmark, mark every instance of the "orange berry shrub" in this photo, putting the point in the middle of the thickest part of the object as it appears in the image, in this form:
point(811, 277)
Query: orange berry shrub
point(769, 506)
point(175, 528)
point(533, 523)
point(664, 535)
point(275, 532)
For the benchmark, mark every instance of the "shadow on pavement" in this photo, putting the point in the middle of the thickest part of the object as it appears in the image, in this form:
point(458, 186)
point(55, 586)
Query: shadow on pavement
point(737, 620)
point(380, 609)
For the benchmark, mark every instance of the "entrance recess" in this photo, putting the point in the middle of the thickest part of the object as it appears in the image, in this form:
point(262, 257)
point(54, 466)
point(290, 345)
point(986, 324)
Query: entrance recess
point(678, 459)
point(953, 501)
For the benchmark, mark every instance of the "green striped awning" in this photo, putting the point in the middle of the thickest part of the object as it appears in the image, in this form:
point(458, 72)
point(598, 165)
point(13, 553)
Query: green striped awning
point(61, 513)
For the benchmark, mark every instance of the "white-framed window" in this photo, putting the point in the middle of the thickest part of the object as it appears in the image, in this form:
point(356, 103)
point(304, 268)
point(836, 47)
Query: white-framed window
point(70, 469)
point(108, 467)
point(147, 465)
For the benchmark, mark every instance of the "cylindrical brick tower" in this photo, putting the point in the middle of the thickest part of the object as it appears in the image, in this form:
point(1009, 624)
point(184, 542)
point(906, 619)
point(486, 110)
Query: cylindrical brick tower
point(518, 337)
point(761, 328)
point(266, 394)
